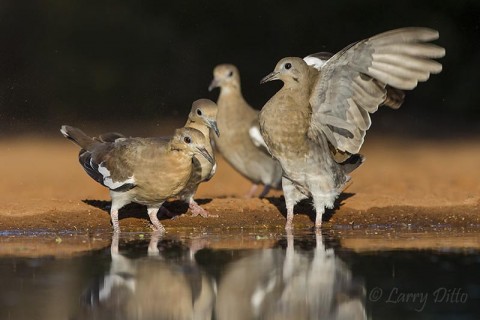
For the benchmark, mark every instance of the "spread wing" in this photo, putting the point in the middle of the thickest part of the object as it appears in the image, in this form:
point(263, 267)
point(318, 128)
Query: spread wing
point(361, 77)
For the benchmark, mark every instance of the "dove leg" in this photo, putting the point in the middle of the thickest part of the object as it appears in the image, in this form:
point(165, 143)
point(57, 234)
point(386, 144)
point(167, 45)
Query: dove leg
point(319, 202)
point(114, 219)
point(265, 191)
point(292, 196)
point(320, 210)
point(252, 190)
point(119, 200)
point(152, 213)
point(318, 218)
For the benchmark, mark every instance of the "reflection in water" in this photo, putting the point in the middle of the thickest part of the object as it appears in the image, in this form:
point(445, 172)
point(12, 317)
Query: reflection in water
point(278, 284)
point(265, 284)
point(294, 278)
point(151, 288)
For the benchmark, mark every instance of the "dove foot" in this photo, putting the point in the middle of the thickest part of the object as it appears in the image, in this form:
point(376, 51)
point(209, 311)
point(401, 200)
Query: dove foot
point(197, 210)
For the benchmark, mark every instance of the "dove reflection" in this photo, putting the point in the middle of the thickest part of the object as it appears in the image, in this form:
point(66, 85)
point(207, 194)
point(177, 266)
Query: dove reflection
point(291, 284)
point(150, 288)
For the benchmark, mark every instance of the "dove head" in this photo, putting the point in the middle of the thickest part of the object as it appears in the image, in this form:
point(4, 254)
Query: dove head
point(204, 111)
point(292, 71)
point(192, 142)
point(225, 76)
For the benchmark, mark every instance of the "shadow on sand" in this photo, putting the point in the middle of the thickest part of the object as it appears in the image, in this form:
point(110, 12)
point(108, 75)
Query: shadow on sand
point(138, 211)
point(305, 207)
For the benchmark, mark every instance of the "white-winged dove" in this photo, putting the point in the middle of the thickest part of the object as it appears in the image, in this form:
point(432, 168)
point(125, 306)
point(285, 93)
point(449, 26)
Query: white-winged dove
point(241, 143)
point(328, 106)
point(202, 117)
point(147, 171)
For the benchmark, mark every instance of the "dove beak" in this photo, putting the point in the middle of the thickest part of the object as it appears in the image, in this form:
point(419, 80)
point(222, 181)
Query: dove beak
point(214, 84)
point(213, 124)
point(207, 155)
point(271, 76)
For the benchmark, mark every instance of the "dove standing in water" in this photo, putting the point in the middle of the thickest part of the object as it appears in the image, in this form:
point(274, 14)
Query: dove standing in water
point(324, 109)
point(147, 171)
point(202, 117)
point(241, 143)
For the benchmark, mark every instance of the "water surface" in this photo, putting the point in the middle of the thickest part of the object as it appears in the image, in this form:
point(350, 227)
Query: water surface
point(244, 275)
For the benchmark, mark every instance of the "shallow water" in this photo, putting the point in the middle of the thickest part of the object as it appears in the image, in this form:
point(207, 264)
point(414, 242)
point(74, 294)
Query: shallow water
point(248, 275)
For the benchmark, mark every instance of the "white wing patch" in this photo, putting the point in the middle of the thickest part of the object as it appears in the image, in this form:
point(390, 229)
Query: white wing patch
point(108, 181)
point(315, 62)
point(257, 138)
point(214, 169)
point(63, 130)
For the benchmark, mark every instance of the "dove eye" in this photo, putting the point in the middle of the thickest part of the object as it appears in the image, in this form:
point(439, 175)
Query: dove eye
point(199, 112)
point(230, 74)
point(187, 140)
point(288, 65)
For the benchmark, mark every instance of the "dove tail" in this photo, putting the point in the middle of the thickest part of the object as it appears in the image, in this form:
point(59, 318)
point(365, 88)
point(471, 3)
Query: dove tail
point(77, 136)
point(352, 163)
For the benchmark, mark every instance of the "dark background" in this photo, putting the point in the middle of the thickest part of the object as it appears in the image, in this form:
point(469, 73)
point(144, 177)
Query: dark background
point(119, 62)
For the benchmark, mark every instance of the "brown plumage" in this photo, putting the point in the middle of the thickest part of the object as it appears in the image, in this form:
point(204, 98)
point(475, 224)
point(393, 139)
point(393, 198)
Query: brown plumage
point(326, 107)
point(238, 124)
point(147, 171)
point(202, 117)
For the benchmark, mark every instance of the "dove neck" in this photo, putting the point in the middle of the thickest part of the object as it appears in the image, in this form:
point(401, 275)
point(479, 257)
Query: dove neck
point(231, 104)
point(199, 126)
point(230, 90)
point(299, 90)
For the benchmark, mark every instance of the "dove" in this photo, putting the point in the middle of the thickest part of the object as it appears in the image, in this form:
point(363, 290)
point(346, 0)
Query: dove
point(202, 117)
point(241, 143)
point(147, 171)
point(323, 110)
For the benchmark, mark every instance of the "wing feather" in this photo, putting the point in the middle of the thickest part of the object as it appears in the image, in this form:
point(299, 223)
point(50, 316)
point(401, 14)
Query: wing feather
point(361, 77)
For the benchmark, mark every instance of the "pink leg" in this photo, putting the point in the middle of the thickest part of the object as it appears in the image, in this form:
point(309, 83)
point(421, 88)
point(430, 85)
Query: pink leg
point(318, 218)
point(114, 219)
point(252, 190)
point(197, 210)
point(157, 226)
point(292, 196)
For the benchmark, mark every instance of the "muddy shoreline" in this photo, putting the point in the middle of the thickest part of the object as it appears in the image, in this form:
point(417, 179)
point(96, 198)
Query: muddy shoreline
point(404, 185)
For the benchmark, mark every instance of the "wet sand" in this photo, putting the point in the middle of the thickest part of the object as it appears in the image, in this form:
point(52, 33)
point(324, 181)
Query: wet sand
point(403, 185)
